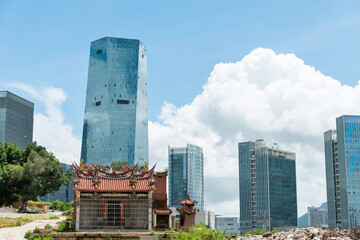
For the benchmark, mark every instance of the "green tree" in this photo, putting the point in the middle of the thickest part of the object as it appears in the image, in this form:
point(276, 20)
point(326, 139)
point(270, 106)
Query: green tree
point(11, 154)
point(43, 175)
point(119, 164)
point(40, 174)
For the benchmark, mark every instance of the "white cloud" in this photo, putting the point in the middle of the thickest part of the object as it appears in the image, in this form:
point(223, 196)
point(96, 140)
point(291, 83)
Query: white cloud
point(50, 130)
point(266, 95)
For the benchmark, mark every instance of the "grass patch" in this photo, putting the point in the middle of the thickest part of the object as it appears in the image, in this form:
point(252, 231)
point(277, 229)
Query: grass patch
point(54, 217)
point(11, 222)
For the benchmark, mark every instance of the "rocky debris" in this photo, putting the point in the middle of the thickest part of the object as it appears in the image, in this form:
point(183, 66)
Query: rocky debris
point(308, 233)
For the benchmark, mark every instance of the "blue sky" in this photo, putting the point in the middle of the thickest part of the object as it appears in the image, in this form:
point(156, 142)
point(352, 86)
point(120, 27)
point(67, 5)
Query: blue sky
point(47, 42)
point(192, 97)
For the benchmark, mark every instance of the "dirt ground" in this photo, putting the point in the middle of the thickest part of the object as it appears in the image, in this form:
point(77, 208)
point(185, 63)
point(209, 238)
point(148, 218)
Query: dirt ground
point(17, 233)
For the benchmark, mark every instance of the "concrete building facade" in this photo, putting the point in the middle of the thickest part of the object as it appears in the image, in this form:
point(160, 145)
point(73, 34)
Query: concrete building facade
point(229, 223)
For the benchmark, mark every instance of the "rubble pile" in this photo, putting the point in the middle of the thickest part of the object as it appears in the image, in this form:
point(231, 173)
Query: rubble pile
point(308, 233)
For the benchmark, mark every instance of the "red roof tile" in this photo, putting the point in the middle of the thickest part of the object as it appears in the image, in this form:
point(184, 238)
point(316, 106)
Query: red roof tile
point(114, 185)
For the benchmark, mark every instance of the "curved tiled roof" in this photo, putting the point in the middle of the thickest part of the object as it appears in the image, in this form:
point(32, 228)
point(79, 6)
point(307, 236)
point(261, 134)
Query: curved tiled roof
point(114, 185)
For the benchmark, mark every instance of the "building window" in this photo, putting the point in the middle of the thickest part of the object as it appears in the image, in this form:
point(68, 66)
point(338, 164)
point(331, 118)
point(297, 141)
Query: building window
point(98, 103)
point(98, 51)
point(122, 101)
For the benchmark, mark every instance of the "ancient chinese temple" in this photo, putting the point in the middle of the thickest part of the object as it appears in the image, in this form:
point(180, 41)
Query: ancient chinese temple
point(113, 199)
point(187, 213)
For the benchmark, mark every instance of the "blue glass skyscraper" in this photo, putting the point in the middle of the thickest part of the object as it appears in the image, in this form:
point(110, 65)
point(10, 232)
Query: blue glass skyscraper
point(267, 186)
point(186, 175)
point(342, 160)
point(116, 118)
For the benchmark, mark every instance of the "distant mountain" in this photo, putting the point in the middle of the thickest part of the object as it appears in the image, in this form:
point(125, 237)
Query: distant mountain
point(323, 206)
point(303, 220)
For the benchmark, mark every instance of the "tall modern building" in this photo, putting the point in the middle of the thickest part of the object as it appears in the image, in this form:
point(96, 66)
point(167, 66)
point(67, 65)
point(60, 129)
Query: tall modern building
point(267, 182)
point(16, 119)
point(116, 116)
point(342, 160)
point(186, 175)
point(317, 217)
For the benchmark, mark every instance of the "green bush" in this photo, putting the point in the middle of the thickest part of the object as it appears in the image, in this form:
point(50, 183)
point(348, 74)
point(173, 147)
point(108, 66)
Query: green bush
point(62, 206)
point(63, 226)
point(69, 218)
point(35, 236)
point(274, 231)
point(200, 231)
point(28, 234)
point(42, 203)
point(53, 217)
point(37, 230)
point(47, 238)
point(152, 233)
point(48, 226)
point(108, 238)
point(200, 225)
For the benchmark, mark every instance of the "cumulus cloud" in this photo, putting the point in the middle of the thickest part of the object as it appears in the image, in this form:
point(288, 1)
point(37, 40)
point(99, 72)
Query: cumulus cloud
point(50, 129)
point(276, 97)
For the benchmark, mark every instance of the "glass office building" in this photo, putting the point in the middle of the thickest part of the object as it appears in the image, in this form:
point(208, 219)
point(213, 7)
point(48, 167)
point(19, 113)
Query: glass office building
point(186, 175)
point(342, 159)
point(116, 118)
point(267, 186)
point(16, 119)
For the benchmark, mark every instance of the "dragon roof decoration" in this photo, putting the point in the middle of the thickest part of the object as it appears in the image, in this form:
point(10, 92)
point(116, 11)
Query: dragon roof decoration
point(108, 172)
